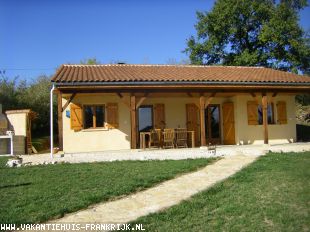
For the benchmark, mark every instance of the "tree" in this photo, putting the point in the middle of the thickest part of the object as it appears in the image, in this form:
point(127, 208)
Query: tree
point(90, 61)
point(36, 96)
point(251, 33)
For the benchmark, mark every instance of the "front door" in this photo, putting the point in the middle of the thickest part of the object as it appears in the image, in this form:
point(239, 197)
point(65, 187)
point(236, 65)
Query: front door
point(192, 121)
point(228, 123)
point(212, 124)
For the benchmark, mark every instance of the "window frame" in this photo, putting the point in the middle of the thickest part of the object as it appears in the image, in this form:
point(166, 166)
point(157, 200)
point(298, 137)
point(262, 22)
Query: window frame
point(260, 106)
point(152, 115)
point(94, 116)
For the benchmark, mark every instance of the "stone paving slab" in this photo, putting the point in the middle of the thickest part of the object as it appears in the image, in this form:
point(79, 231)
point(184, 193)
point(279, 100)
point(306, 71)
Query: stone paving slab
point(162, 154)
point(164, 195)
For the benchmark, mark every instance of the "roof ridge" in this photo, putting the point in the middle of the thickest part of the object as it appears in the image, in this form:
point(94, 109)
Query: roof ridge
point(161, 65)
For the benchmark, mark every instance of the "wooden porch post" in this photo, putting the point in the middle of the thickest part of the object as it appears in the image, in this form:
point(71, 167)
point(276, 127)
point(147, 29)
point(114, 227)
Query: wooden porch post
point(60, 124)
point(202, 101)
point(133, 118)
point(265, 117)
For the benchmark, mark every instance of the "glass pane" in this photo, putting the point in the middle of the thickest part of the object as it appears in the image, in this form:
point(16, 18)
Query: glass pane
point(260, 115)
point(99, 116)
point(215, 121)
point(207, 122)
point(145, 119)
point(270, 114)
point(88, 117)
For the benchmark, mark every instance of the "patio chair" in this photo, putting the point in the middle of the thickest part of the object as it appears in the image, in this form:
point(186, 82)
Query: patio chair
point(212, 149)
point(155, 138)
point(181, 137)
point(168, 138)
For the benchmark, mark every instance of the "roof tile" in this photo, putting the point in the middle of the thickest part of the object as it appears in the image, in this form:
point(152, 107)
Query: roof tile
point(173, 73)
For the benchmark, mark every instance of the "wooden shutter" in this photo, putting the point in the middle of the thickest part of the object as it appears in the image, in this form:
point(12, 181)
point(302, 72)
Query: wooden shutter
point(159, 116)
point(112, 115)
point(76, 117)
point(228, 123)
point(281, 112)
point(252, 113)
point(192, 121)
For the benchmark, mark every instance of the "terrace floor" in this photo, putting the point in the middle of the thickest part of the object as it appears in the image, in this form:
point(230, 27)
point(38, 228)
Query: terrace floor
point(165, 154)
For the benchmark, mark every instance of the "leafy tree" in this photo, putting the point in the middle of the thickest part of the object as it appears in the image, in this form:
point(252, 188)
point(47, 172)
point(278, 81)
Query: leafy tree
point(8, 93)
point(36, 96)
point(90, 61)
point(251, 33)
point(18, 94)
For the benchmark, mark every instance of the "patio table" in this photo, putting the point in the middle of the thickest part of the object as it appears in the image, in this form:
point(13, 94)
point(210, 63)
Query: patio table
point(143, 139)
point(143, 136)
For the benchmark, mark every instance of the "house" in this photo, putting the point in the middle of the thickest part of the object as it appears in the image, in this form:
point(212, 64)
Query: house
point(105, 107)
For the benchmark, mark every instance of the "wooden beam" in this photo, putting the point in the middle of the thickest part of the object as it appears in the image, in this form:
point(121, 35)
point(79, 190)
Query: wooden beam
point(253, 94)
point(133, 119)
point(209, 100)
point(68, 102)
point(202, 101)
point(265, 117)
point(60, 123)
point(141, 100)
point(122, 97)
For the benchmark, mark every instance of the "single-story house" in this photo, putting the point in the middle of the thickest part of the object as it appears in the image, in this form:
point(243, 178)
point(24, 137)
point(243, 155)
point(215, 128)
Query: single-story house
point(105, 107)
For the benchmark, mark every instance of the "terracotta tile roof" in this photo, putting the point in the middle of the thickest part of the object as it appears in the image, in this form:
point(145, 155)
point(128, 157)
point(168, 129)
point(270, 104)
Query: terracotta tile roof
point(173, 73)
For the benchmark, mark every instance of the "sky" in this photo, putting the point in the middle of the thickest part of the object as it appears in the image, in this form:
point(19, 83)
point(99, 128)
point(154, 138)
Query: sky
point(37, 36)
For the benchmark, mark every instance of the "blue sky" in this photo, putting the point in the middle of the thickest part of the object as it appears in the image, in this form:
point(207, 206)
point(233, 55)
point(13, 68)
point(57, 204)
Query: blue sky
point(38, 36)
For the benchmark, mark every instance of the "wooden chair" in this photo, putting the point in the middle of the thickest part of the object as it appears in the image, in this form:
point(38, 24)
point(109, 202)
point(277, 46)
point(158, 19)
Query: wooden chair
point(181, 137)
point(155, 139)
point(168, 138)
point(212, 149)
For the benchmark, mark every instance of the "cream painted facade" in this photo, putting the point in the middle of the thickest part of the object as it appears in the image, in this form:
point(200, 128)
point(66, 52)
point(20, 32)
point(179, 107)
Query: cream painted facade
point(90, 140)
point(18, 123)
point(253, 134)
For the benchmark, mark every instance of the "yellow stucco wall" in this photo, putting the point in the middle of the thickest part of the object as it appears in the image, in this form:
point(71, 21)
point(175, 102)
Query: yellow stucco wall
point(253, 134)
point(175, 113)
point(18, 123)
point(97, 139)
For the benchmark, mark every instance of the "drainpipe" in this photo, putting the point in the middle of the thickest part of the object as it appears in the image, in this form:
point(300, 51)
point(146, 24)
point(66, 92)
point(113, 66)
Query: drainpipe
point(51, 121)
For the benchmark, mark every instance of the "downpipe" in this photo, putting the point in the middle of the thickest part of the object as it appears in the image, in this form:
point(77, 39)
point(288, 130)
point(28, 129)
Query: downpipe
point(51, 122)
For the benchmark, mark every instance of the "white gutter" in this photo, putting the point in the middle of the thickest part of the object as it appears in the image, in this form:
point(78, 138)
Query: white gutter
point(51, 121)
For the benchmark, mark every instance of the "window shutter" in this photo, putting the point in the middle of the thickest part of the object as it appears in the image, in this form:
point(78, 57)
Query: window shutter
point(252, 113)
point(281, 111)
point(159, 116)
point(76, 117)
point(112, 115)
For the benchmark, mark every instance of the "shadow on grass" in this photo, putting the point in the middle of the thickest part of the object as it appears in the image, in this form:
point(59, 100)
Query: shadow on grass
point(15, 185)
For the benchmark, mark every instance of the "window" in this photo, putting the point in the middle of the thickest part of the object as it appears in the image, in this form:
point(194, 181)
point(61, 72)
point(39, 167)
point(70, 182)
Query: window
point(145, 118)
point(94, 116)
point(270, 114)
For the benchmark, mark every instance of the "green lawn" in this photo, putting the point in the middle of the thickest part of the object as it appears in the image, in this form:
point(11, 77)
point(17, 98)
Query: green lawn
point(38, 193)
point(272, 194)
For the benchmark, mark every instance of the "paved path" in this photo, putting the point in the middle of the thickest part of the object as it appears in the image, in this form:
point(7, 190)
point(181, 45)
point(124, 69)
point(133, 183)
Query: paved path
point(164, 195)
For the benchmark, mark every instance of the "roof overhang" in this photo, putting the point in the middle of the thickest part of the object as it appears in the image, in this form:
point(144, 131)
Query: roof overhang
point(199, 86)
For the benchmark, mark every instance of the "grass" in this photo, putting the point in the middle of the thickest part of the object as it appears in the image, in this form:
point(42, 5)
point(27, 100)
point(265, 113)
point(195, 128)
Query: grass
point(272, 194)
point(38, 193)
point(42, 143)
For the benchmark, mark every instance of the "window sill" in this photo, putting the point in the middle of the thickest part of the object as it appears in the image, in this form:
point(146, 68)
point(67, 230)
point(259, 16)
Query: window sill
point(95, 129)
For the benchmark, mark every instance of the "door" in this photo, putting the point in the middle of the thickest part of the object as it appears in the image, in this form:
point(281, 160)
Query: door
point(192, 121)
point(212, 124)
point(228, 123)
point(159, 116)
point(145, 118)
